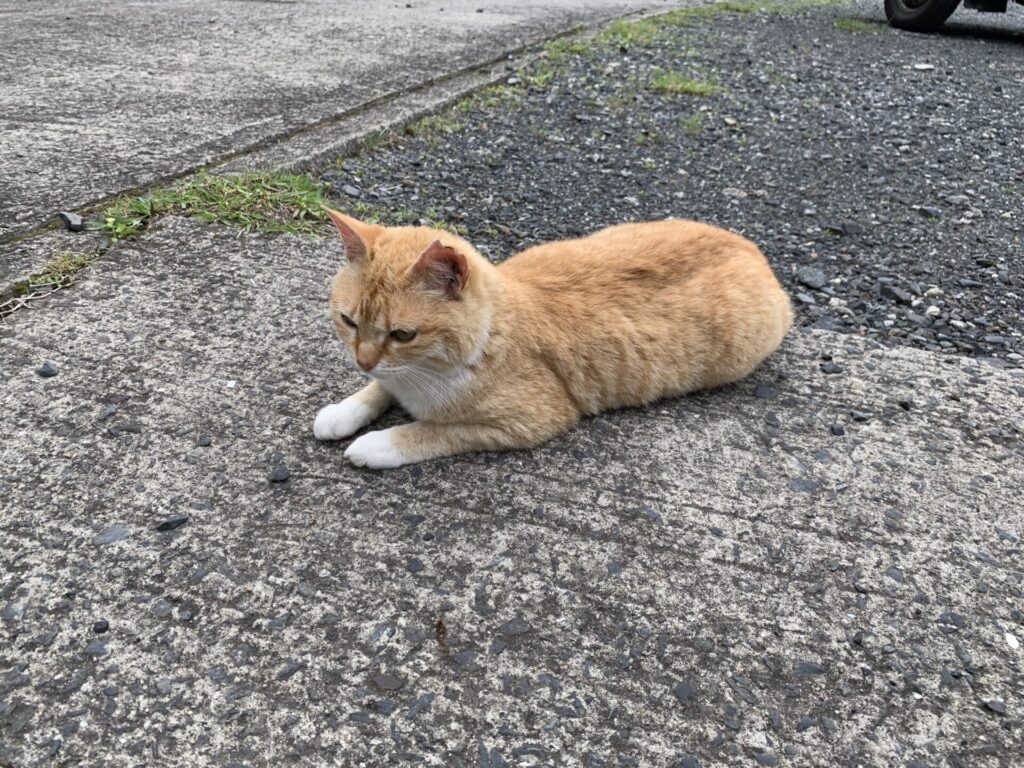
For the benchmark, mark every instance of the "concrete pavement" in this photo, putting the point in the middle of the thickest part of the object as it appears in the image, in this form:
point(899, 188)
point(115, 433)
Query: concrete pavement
point(716, 580)
point(100, 97)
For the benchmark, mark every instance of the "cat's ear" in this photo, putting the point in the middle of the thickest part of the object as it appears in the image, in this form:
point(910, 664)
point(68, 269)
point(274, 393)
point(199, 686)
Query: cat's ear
point(442, 268)
point(357, 236)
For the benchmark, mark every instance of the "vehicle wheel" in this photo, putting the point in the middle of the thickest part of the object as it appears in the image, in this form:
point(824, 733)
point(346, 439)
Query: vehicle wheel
point(919, 15)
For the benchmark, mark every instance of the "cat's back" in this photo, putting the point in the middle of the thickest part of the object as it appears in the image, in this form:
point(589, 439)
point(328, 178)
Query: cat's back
point(640, 311)
point(628, 255)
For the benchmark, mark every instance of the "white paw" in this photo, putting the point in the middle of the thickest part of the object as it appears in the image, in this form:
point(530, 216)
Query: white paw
point(341, 419)
point(374, 450)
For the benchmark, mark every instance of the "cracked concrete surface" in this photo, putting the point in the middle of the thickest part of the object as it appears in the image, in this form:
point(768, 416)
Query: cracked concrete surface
point(715, 580)
point(102, 97)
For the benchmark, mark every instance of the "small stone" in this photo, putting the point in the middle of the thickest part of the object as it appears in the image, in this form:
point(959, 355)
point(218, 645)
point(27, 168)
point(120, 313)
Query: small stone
point(288, 670)
point(730, 121)
point(812, 277)
point(106, 412)
point(764, 392)
point(837, 430)
point(896, 293)
point(122, 429)
point(422, 703)
point(97, 648)
point(100, 626)
point(831, 368)
point(204, 441)
point(113, 533)
point(514, 627)
point(351, 191)
point(163, 685)
point(996, 705)
point(807, 668)
point(803, 485)
point(933, 311)
point(924, 67)
point(766, 759)
point(684, 691)
point(415, 565)
point(279, 474)
point(860, 415)
point(47, 370)
point(388, 682)
point(906, 405)
point(172, 522)
point(72, 221)
point(930, 212)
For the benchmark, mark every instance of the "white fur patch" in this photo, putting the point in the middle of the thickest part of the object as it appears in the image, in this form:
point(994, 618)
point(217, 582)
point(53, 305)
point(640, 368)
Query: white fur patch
point(342, 419)
point(374, 450)
point(420, 390)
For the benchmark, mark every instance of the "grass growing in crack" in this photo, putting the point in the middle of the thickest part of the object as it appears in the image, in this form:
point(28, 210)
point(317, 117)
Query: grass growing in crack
point(254, 201)
point(59, 271)
point(849, 24)
point(678, 84)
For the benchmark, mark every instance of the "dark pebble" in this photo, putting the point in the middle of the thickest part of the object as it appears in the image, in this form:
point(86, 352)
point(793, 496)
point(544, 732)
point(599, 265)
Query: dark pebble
point(684, 691)
point(351, 191)
point(812, 277)
point(514, 627)
point(837, 429)
point(831, 368)
point(906, 405)
point(113, 533)
point(996, 705)
point(204, 441)
point(860, 415)
point(896, 293)
point(807, 668)
point(172, 522)
point(121, 429)
point(279, 474)
point(100, 626)
point(415, 565)
point(47, 370)
point(72, 221)
point(388, 682)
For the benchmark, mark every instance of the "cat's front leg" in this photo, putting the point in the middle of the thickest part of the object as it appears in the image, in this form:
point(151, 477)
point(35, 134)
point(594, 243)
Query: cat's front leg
point(421, 441)
point(339, 420)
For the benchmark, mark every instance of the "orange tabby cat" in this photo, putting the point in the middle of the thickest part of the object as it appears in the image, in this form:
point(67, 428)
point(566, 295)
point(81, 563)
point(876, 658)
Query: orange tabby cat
point(491, 357)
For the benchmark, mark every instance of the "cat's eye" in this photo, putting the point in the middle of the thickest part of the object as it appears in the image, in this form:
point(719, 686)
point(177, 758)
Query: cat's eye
point(348, 320)
point(400, 334)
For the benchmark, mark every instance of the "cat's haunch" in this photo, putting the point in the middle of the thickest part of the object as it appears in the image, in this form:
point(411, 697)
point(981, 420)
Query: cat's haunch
point(489, 357)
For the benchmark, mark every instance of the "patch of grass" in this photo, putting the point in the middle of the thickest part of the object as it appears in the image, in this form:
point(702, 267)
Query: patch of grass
point(253, 201)
point(692, 125)
point(849, 24)
point(564, 47)
point(441, 123)
point(60, 271)
point(676, 83)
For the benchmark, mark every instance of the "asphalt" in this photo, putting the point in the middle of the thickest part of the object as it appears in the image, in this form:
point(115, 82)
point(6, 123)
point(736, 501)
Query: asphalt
point(818, 566)
point(719, 577)
point(103, 97)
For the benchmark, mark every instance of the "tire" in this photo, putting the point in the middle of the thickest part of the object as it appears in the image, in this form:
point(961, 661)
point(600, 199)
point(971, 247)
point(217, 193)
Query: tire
point(919, 15)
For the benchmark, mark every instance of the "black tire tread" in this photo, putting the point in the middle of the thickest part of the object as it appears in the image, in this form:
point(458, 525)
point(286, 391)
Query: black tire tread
point(928, 18)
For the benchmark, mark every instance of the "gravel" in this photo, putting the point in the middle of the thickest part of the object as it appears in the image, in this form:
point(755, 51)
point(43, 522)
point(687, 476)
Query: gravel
point(887, 196)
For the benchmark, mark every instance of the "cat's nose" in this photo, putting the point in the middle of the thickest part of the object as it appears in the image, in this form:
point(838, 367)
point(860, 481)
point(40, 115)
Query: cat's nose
point(367, 359)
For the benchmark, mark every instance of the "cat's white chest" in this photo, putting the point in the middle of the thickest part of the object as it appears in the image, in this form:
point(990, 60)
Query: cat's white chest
point(420, 392)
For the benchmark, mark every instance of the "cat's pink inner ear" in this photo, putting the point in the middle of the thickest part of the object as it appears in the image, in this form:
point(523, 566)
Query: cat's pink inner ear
point(357, 236)
point(442, 268)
